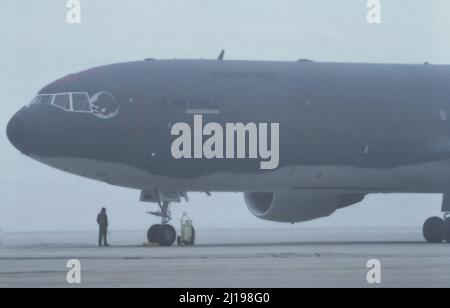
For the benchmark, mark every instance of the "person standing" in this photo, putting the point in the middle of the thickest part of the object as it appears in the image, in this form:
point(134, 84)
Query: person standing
point(102, 220)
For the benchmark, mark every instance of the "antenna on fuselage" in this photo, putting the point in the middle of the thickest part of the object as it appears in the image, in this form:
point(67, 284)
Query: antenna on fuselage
point(222, 54)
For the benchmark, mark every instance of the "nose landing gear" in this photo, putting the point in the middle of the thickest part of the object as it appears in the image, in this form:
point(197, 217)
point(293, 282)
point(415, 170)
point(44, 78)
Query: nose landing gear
point(162, 234)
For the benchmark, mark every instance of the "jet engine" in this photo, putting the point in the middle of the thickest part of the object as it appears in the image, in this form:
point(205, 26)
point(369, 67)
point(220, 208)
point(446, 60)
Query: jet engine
point(298, 206)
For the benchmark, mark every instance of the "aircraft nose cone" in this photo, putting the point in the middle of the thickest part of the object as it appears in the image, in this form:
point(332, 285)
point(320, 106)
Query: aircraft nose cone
point(15, 131)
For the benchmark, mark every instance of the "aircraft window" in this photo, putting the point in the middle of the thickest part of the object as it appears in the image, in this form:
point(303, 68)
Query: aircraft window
point(62, 101)
point(42, 99)
point(81, 102)
point(34, 101)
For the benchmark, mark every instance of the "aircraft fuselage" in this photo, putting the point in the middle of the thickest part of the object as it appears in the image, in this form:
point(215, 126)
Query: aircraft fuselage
point(341, 127)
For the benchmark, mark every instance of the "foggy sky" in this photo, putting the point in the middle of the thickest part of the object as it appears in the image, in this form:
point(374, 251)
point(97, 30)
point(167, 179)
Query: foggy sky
point(38, 46)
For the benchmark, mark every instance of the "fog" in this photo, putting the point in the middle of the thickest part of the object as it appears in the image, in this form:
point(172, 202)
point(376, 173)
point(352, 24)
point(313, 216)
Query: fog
point(38, 46)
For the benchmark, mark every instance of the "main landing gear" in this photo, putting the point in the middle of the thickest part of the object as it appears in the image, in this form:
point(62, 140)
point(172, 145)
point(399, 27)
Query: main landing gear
point(162, 234)
point(437, 229)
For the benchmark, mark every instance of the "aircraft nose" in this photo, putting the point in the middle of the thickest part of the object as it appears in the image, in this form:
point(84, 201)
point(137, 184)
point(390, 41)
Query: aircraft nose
point(16, 131)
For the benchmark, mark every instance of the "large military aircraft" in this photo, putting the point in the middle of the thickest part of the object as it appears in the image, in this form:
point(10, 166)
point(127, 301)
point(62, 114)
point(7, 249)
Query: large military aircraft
point(300, 139)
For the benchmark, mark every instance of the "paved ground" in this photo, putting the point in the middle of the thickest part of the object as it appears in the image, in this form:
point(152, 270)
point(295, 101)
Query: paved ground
point(228, 258)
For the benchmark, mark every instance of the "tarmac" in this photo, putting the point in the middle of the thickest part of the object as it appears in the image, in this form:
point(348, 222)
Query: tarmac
point(265, 258)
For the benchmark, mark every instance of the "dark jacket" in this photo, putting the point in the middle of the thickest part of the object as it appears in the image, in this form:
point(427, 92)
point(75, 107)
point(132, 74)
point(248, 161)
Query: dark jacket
point(102, 219)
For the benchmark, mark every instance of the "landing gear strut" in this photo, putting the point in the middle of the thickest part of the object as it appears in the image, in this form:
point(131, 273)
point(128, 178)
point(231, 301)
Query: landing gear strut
point(437, 229)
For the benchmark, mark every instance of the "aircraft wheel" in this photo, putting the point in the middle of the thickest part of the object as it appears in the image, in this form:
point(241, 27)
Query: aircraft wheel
point(433, 230)
point(446, 230)
point(167, 235)
point(153, 234)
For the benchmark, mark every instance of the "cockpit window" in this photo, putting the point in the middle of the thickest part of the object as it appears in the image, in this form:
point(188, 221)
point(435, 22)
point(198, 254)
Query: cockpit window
point(103, 104)
point(81, 102)
point(62, 101)
point(45, 99)
point(34, 101)
point(42, 99)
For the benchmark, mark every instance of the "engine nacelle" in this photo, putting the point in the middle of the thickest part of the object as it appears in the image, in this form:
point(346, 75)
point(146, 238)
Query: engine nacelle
point(297, 206)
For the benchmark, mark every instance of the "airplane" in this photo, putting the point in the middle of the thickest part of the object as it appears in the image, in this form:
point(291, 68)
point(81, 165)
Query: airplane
point(300, 139)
